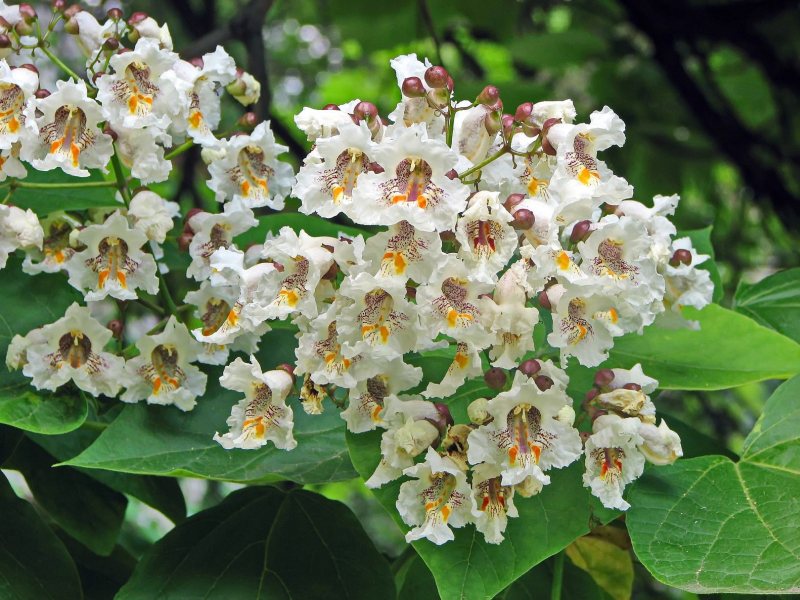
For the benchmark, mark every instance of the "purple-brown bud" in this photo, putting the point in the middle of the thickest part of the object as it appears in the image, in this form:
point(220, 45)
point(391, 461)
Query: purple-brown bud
point(444, 413)
point(681, 257)
point(452, 174)
point(436, 77)
point(592, 394)
point(512, 201)
point(489, 96)
point(248, 120)
point(331, 107)
point(603, 377)
point(580, 231)
point(5, 41)
point(523, 111)
point(544, 300)
point(184, 240)
point(543, 382)
point(530, 367)
point(413, 88)
point(137, 18)
point(27, 12)
point(523, 219)
point(30, 67)
point(115, 14)
point(288, 368)
point(111, 44)
point(59, 5)
point(41, 93)
point(115, 326)
point(632, 386)
point(495, 378)
point(72, 10)
point(366, 111)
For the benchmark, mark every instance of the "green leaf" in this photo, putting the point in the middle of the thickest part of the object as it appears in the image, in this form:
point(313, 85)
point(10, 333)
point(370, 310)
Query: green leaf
point(468, 567)
point(84, 508)
point(312, 224)
point(701, 240)
point(729, 350)
point(709, 524)
point(774, 302)
point(537, 583)
point(33, 561)
point(556, 50)
point(609, 565)
point(414, 581)
point(261, 542)
point(101, 576)
point(157, 440)
point(43, 201)
point(162, 493)
point(30, 302)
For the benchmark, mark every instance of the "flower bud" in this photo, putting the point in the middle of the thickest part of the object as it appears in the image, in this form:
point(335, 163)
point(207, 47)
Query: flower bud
point(478, 411)
point(27, 12)
point(288, 368)
point(331, 107)
point(603, 377)
point(23, 28)
point(248, 120)
point(137, 18)
point(512, 201)
point(59, 5)
point(332, 272)
point(30, 67)
point(72, 10)
point(492, 122)
point(184, 240)
point(5, 41)
point(544, 300)
point(366, 111)
point(40, 93)
point(489, 96)
point(530, 367)
point(591, 394)
point(245, 89)
point(444, 414)
point(523, 112)
point(115, 14)
point(543, 382)
point(436, 77)
point(109, 131)
point(115, 326)
point(566, 415)
point(523, 219)
point(580, 231)
point(416, 436)
point(450, 83)
point(452, 174)
point(111, 44)
point(661, 446)
point(413, 88)
point(632, 386)
point(508, 125)
point(495, 378)
point(681, 257)
point(547, 147)
point(71, 26)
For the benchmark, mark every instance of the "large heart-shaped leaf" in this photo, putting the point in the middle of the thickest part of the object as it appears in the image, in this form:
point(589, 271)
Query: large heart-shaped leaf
point(50, 198)
point(774, 302)
point(728, 350)
point(31, 302)
point(33, 561)
point(261, 542)
point(157, 440)
point(709, 524)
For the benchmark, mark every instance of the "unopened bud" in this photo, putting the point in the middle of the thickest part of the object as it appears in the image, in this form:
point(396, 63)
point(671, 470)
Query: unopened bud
point(248, 120)
point(580, 231)
point(436, 77)
point(632, 386)
point(547, 147)
point(592, 394)
point(523, 111)
point(196, 61)
point(115, 326)
point(489, 96)
point(59, 5)
point(681, 257)
point(492, 122)
point(543, 382)
point(288, 368)
point(30, 67)
point(444, 413)
point(332, 272)
point(530, 367)
point(523, 219)
point(27, 12)
point(72, 10)
point(137, 17)
point(5, 41)
point(71, 27)
point(184, 240)
point(115, 14)
point(452, 174)
point(544, 300)
point(413, 88)
point(41, 93)
point(109, 131)
point(603, 377)
point(495, 378)
point(192, 212)
point(450, 83)
point(478, 411)
point(512, 201)
point(331, 107)
point(111, 44)
point(438, 97)
point(366, 111)
point(566, 415)
point(23, 28)
point(508, 125)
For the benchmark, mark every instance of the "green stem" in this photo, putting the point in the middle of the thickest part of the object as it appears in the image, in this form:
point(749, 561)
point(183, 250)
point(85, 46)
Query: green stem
point(94, 425)
point(179, 150)
point(150, 305)
point(558, 576)
point(53, 186)
point(165, 294)
point(122, 186)
point(59, 63)
point(483, 163)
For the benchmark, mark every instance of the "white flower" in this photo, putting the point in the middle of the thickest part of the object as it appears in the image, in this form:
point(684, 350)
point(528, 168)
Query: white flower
point(449, 304)
point(553, 109)
point(18, 229)
point(205, 83)
point(17, 352)
point(10, 165)
point(470, 137)
point(16, 86)
point(466, 364)
point(494, 502)
point(414, 186)
point(438, 499)
point(163, 373)
point(380, 318)
point(65, 133)
point(152, 215)
point(142, 150)
point(659, 227)
point(404, 252)
point(56, 248)
point(245, 89)
point(250, 170)
point(660, 445)
point(487, 240)
point(149, 28)
point(686, 285)
point(262, 415)
point(326, 187)
point(113, 263)
point(366, 408)
point(91, 35)
point(318, 124)
point(71, 348)
point(415, 110)
point(142, 90)
point(525, 438)
point(613, 459)
point(215, 231)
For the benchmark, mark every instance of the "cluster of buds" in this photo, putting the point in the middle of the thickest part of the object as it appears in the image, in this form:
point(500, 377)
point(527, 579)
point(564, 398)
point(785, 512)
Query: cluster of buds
point(479, 221)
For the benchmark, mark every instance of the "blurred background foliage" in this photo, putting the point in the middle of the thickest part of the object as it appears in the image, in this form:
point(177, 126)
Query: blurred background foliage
point(708, 89)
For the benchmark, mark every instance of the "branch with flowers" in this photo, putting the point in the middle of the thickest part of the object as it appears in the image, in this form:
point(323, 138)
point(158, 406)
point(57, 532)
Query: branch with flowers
point(462, 330)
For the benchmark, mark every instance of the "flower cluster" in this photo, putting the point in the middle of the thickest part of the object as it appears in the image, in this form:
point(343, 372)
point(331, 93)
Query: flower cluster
point(475, 224)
